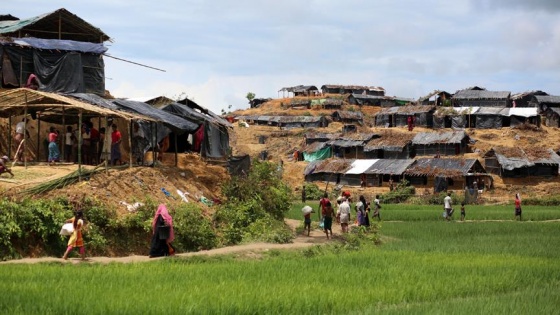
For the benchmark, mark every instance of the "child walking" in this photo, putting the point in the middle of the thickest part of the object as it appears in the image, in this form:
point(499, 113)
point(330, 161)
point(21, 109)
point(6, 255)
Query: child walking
point(462, 211)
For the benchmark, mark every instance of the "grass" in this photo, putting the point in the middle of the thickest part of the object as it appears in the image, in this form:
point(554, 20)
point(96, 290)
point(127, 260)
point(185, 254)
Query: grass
point(424, 266)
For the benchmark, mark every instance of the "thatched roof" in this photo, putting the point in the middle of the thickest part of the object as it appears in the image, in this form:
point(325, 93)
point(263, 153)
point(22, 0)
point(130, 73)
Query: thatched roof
point(349, 115)
point(514, 157)
point(443, 167)
point(451, 137)
point(389, 141)
point(52, 106)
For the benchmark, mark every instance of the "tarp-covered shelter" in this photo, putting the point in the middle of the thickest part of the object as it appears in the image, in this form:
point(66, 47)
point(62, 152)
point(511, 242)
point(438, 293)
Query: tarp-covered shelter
point(354, 175)
point(523, 115)
point(351, 145)
point(329, 170)
point(215, 137)
point(474, 97)
point(55, 109)
point(316, 151)
point(301, 90)
point(454, 117)
point(524, 99)
point(441, 143)
point(373, 100)
point(552, 116)
point(390, 145)
point(300, 103)
point(346, 116)
point(239, 165)
point(437, 97)
point(385, 169)
point(490, 117)
point(287, 122)
point(423, 115)
point(63, 51)
point(518, 162)
point(352, 89)
point(444, 173)
point(549, 107)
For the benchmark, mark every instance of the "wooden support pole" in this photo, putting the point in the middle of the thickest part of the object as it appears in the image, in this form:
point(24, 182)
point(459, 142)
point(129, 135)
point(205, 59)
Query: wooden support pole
point(176, 156)
point(130, 143)
point(80, 146)
point(25, 134)
point(63, 133)
point(10, 136)
point(39, 138)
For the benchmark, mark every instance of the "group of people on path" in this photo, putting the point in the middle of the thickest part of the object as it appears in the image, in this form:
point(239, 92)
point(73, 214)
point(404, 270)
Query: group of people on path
point(162, 233)
point(343, 213)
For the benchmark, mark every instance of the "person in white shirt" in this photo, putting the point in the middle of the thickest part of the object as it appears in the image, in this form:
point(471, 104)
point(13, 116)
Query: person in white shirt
point(19, 136)
point(139, 142)
point(344, 210)
point(447, 206)
point(68, 144)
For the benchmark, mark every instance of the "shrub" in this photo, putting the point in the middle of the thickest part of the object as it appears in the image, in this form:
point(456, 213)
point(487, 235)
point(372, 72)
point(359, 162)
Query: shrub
point(401, 193)
point(193, 230)
point(312, 191)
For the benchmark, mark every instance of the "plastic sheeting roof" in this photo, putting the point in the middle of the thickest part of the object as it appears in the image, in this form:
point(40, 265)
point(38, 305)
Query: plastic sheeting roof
point(174, 122)
point(547, 99)
point(56, 44)
point(512, 158)
point(361, 166)
point(523, 111)
point(346, 143)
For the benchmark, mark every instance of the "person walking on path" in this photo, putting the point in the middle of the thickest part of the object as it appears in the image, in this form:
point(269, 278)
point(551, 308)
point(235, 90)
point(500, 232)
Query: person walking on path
point(161, 241)
point(361, 210)
point(517, 206)
point(376, 208)
point(327, 219)
point(3, 167)
point(307, 211)
point(447, 205)
point(344, 210)
point(76, 240)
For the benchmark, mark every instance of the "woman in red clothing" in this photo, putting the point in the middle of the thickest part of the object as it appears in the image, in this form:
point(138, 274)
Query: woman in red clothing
point(116, 139)
point(517, 206)
point(54, 153)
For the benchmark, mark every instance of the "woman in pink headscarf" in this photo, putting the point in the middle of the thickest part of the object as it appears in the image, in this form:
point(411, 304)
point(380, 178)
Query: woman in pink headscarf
point(162, 229)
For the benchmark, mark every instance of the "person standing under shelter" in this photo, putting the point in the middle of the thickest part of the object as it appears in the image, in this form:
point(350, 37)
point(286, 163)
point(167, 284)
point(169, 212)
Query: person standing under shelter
point(54, 153)
point(20, 135)
point(116, 140)
point(447, 205)
point(138, 143)
point(68, 144)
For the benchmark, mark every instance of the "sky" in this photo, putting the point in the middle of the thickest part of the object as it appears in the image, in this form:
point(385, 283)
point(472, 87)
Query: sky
point(215, 52)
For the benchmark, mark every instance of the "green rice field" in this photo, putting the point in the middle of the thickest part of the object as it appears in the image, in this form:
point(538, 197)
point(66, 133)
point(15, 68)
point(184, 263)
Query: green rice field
point(423, 266)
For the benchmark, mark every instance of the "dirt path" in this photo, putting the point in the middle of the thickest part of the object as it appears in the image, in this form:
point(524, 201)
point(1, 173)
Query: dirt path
point(316, 237)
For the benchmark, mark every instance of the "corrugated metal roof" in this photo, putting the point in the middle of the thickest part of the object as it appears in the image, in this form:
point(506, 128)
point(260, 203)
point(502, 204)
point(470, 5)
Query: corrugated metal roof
point(548, 99)
point(390, 166)
point(360, 166)
point(452, 137)
point(441, 167)
point(480, 94)
point(388, 110)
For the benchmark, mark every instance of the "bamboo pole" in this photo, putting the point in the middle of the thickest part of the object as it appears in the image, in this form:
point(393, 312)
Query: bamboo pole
point(63, 146)
point(80, 146)
point(130, 143)
point(39, 137)
point(25, 133)
point(176, 156)
point(10, 136)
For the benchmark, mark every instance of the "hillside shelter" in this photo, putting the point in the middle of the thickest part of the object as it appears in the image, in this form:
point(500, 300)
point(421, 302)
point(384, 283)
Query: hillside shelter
point(518, 162)
point(441, 143)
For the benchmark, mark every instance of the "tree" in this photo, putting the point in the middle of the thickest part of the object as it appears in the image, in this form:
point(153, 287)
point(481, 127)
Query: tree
point(250, 96)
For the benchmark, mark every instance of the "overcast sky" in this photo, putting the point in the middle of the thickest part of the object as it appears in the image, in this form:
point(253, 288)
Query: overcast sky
point(215, 52)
